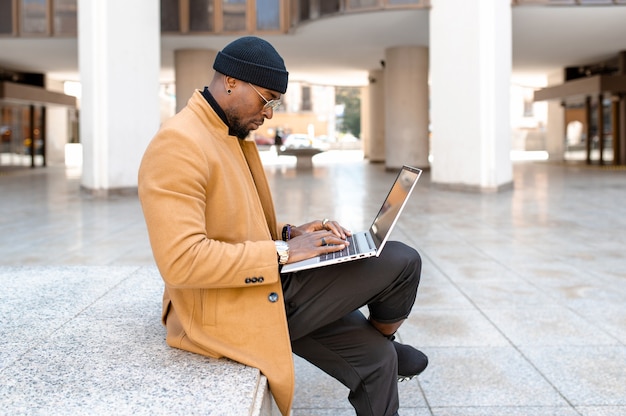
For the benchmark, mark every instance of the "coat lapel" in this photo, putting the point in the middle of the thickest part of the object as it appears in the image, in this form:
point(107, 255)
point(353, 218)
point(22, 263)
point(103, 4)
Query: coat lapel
point(260, 180)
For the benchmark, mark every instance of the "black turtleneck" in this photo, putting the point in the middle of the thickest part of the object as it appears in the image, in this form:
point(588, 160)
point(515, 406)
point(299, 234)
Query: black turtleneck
point(216, 107)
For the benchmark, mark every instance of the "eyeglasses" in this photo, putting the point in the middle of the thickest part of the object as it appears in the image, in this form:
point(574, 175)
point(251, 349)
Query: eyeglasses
point(273, 104)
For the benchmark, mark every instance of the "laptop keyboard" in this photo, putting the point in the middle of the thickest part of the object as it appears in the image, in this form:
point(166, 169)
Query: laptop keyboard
point(348, 251)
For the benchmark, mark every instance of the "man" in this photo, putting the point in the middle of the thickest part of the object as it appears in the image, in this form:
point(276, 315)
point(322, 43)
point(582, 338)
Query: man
point(219, 247)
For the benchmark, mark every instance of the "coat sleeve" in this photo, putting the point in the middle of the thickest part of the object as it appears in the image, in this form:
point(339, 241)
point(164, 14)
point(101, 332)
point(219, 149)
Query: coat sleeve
point(173, 183)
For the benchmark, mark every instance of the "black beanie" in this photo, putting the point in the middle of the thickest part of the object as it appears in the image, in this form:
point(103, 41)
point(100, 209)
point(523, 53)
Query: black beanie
point(253, 60)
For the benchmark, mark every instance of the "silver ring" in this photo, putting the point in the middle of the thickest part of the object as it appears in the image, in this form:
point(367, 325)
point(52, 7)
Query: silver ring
point(324, 221)
point(323, 241)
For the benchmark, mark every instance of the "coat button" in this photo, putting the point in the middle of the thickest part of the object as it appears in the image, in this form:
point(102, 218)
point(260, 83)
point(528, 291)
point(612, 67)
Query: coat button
point(261, 279)
point(247, 280)
point(254, 280)
point(273, 297)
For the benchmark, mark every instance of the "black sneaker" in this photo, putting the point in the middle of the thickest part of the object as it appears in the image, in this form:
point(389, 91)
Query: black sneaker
point(411, 361)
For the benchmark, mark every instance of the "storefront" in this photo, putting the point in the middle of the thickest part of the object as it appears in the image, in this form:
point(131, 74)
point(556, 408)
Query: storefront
point(594, 102)
point(27, 135)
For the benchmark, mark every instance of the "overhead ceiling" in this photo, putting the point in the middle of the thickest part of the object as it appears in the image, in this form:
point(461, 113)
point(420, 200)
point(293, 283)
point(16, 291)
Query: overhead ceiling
point(341, 50)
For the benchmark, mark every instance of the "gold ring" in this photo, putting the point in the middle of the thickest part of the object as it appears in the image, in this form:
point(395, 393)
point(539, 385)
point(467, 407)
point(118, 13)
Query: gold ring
point(324, 221)
point(323, 241)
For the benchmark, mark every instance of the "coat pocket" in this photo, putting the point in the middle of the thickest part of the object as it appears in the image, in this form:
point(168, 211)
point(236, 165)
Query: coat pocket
point(209, 307)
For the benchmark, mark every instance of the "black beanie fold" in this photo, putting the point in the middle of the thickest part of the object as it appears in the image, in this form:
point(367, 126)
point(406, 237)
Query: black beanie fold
point(253, 60)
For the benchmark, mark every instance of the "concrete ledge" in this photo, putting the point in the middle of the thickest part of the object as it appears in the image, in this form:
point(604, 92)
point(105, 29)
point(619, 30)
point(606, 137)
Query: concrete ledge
point(88, 340)
point(304, 156)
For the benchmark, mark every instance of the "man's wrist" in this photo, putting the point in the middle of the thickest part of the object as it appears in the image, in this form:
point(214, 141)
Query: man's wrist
point(282, 250)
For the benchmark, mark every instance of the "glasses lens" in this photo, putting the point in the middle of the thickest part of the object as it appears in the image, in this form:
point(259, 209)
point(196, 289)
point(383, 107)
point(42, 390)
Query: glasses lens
point(273, 104)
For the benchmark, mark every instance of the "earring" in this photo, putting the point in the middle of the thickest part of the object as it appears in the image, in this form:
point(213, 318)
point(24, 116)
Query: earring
point(228, 91)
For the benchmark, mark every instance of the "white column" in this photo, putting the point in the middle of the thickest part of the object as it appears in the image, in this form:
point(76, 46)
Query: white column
point(57, 122)
point(470, 72)
point(365, 122)
point(406, 107)
point(56, 134)
point(119, 59)
point(375, 116)
point(555, 124)
point(193, 71)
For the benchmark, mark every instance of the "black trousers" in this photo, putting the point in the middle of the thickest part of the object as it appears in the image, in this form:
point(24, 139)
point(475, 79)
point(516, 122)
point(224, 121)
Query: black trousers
point(329, 331)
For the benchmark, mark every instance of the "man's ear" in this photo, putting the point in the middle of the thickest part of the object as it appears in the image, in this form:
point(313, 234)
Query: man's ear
point(230, 82)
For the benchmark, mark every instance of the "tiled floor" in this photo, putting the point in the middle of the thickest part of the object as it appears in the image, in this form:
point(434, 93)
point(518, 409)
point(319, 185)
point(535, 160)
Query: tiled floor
point(522, 306)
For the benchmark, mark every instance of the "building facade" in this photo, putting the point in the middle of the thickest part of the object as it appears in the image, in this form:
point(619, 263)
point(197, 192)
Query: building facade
point(418, 108)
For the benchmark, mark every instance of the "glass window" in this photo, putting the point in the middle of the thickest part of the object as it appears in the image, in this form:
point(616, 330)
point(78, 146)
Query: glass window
point(6, 17)
point(362, 4)
point(18, 137)
point(65, 17)
point(201, 15)
point(305, 10)
point(307, 105)
point(397, 2)
point(329, 6)
point(170, 18)
point(234, 15)
point(268, 14)
point(34, 16)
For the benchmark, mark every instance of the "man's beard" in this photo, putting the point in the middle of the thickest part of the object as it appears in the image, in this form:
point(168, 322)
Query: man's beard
point(236, 128)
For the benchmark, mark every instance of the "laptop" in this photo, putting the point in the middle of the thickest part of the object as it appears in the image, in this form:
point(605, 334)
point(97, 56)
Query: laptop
point(371, 242)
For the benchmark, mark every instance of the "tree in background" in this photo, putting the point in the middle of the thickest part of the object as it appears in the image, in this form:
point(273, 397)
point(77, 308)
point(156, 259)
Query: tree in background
point(350, 99)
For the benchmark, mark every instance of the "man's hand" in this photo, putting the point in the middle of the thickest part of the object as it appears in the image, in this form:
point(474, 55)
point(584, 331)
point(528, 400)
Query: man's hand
point(319, 225)
point(315, 238)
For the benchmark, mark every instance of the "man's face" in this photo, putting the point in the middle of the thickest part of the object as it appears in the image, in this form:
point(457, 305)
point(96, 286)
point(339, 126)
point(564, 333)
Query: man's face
point(251, 109)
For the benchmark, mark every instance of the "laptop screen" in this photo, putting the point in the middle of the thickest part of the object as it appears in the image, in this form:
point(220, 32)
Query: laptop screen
point(393, 205)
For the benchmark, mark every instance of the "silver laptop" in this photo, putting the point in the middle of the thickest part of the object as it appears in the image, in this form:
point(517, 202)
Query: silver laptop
point(369, 243)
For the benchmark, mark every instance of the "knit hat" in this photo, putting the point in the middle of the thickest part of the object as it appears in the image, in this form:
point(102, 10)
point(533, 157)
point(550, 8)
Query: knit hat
point(253, 60)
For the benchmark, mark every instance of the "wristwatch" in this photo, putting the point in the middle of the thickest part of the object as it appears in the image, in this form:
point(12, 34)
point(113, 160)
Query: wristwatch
point(282, 248)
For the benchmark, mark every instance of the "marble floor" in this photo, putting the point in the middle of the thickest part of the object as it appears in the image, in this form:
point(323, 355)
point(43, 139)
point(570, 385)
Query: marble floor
point(522, 305)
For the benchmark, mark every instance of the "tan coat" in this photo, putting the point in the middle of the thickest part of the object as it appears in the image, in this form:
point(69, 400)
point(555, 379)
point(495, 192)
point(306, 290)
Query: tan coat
point(211, 222)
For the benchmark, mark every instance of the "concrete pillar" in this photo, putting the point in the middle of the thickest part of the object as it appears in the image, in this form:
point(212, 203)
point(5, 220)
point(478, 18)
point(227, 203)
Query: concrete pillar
point(470, 75)
point(193, 70)
point(555, 124)
point(57, 133)
point(365, 122)
point(406, 107)
point(375, 115)
point(119, 60)
point(57, 123)
point(620, 140)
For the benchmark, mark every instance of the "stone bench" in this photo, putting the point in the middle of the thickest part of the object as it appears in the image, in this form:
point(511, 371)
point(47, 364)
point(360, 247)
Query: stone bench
point(88, 340)
point(304, 155)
